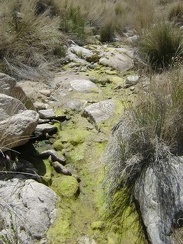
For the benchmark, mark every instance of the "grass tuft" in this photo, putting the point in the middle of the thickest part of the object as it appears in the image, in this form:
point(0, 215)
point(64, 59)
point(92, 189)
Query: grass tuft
point(148, 132)
point(161, 47)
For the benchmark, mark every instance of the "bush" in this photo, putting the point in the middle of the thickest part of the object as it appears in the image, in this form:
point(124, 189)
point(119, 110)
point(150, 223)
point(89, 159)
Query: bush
point(27, 38)
point(73, 23)
point(161, 47)
point(176, 13)
point(107, 32)
point(148, 132)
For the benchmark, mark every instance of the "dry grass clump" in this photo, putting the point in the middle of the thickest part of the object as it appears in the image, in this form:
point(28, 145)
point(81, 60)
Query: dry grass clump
point(147, 133)
point(176, 13)
point(27, 37)
point(162, 46)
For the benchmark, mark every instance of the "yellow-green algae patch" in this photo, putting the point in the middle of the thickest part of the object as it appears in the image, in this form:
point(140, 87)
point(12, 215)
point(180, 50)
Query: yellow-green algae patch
point(82, 215)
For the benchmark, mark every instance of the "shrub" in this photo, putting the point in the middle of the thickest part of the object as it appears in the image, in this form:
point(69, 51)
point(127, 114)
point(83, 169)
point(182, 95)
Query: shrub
point(107, 32)
point(73, 23)
point(147, 133)
point(161, 47)
point(27, 38)
point(176, 13)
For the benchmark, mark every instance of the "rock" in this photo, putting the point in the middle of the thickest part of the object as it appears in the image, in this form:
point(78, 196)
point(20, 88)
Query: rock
point(54, 157)
point(17, 92)
point(9, 106)
point(40, 105)
point(28, 210)
point(85, 240)
point(43, 129)
point(159, 192)
point(66, 186)
point(100, 111)
point(117, 60)
point(131, 80)
point(46, 92)
point(76, 105)
point(16, 130)
point(47, 114)
point(83, 85)
point(7, 83)
point(59, 168)
point(81, 52)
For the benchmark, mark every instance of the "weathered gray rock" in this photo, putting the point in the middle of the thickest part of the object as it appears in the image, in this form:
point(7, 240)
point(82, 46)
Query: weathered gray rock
point(45, 128)
point(27, 208)
point(7, 83)
point(9, 106)
point(100, 111)
point(131, 80)
point(117, 60)
point(40, 105)
point(76, 105)
point(83, 85)
point(81, 51)
point(17, 129)
point(46, 114)
point(159, 191)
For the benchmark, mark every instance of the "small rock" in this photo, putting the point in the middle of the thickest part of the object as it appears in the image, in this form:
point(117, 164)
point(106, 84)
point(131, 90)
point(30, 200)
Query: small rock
point(46, 92)
point(40, 106)
point(76, 105)
point(43, 129)
point(131, 80)
point(46, 114)
point(81, 52)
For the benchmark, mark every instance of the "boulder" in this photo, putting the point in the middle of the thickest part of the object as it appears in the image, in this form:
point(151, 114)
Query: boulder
point(16, 130)
point(83, 85)
point(159, 192)
point(46, 114)
point(100, 111)
point(7, 83)
point(118, 59)
point(28, 210)
point(9, 106)
point(81, 51)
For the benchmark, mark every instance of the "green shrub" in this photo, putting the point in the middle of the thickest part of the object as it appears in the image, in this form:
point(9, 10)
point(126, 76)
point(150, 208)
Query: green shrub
point(107, 32)
point(161, 47)
point(73, 23)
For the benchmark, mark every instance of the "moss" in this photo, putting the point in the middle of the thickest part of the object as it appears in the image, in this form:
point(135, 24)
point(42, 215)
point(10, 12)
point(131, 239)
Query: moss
point(47, 177)
point(73, 136)
point(98, 225)
point(58, 145)
point(66, 186)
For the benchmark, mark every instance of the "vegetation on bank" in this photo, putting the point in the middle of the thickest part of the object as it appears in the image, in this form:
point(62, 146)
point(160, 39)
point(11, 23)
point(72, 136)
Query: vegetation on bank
point(35, 33)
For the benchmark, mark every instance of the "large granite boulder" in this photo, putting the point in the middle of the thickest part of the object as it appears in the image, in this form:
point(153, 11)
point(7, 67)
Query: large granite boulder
point(27, 209)
point(159, 192)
